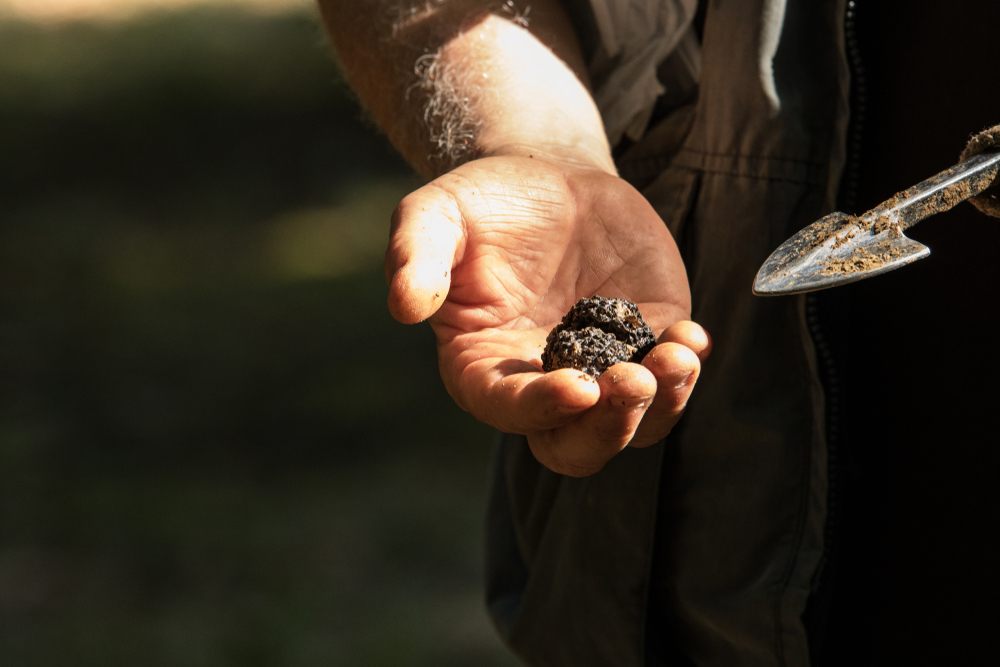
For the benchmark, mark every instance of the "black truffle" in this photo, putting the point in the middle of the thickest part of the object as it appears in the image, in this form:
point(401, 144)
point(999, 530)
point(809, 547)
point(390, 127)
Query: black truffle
point(598, 333)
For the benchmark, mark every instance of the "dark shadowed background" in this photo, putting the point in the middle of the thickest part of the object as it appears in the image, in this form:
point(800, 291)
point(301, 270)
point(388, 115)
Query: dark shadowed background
point(216, 448)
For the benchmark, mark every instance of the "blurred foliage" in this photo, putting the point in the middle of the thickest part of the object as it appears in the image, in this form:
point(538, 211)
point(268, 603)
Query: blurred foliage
point(215, 446)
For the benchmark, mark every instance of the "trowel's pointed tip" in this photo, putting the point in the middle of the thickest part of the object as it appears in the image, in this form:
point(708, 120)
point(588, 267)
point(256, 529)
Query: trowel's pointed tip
point(764, 285)
point(769, 283)
point(782, 272)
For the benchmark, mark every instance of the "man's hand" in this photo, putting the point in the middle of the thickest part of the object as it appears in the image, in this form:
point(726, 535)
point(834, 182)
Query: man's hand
point(495, 252)
point(497, 249)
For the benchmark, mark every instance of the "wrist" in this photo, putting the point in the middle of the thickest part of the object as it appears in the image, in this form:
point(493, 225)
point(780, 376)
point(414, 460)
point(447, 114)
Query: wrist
point(576, 156)
point(521, 97)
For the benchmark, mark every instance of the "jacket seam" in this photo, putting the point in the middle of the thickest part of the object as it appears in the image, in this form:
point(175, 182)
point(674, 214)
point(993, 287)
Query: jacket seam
point(756, 177)
point(636, 169)
point(752, 156)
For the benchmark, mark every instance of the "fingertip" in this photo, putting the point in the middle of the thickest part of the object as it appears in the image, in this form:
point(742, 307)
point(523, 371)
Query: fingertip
point(574, 391)
point(527, 401)
point(673, 364)
point(676, 368)
point(691, 335)
point(628, 385)
point(415, 294)
point(425, 243)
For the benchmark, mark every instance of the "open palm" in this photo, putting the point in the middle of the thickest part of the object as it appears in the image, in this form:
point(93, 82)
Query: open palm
point(495, 252)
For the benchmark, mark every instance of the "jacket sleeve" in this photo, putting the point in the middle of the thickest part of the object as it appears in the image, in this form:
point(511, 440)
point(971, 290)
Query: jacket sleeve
point(626, 42)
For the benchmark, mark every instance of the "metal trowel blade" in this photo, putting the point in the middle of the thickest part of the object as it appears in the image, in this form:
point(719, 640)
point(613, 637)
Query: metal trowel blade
point(836, 250)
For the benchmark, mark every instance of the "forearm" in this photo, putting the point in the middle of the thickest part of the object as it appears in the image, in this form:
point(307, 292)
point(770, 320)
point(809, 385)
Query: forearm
point(450, 80)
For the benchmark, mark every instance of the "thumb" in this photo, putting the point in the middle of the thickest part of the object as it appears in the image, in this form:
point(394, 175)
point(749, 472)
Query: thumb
point(426, 241)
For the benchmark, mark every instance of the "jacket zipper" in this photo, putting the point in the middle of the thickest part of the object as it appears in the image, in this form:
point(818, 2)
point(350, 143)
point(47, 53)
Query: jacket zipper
point(858, 102)
point(850, 181)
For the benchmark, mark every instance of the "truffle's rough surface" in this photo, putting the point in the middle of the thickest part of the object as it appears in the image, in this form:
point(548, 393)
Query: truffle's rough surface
point(598, 333)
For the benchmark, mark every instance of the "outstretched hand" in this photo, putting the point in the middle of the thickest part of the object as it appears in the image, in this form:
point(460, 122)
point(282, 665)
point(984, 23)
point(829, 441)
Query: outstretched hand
point(495, 252)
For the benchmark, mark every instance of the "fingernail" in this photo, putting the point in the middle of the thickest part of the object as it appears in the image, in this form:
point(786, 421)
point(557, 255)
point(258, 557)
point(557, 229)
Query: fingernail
point(686, 381)
point(635, 403)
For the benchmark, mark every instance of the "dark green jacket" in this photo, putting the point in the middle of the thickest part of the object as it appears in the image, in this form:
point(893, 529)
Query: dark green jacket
point(737, 493)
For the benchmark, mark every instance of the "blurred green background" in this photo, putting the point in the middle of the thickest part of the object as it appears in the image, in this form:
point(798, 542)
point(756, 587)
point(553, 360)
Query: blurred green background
point(216, 448)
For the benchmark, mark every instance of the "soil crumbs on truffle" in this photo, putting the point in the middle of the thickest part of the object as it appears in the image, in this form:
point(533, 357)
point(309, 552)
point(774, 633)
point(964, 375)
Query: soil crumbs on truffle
point(598, 333)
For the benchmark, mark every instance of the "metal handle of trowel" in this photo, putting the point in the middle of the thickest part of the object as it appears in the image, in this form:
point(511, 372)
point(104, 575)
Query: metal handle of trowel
point(840, 248)
point(938, 193)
